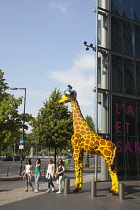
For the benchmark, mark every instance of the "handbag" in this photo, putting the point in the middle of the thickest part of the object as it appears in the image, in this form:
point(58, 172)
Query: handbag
point(56, 175)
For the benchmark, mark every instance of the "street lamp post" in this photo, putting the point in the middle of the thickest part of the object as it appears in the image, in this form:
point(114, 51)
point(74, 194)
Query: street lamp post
point(14, 88)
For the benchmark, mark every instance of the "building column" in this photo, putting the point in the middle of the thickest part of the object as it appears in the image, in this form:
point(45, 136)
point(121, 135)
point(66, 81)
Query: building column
point(104, 85)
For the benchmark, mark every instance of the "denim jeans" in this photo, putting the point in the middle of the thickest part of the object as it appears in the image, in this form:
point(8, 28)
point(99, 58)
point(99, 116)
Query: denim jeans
point(36, 181)
point(59, 182)
point(50, 183)
point(29, 180)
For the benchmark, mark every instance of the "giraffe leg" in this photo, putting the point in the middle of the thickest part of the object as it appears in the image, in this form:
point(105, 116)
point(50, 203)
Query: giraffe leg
point(115, 184)
point(109, 159)
point(78, 158)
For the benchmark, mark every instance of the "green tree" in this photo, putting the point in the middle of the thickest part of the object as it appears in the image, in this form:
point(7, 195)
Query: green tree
point(10, 120)
point(90, 122)
point(52, 127)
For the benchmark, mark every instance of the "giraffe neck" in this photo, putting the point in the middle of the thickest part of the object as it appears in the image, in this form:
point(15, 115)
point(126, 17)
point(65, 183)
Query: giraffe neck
point(78, 119)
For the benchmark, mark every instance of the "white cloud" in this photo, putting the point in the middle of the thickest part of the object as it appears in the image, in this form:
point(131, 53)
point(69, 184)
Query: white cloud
point(84, 62)
point(62, 6)
point(81, 76)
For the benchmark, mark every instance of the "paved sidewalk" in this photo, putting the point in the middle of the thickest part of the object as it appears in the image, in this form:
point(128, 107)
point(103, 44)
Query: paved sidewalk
point(13, 195)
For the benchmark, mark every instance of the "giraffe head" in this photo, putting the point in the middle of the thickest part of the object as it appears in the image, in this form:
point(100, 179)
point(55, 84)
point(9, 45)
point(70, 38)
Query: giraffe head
point(69, 95)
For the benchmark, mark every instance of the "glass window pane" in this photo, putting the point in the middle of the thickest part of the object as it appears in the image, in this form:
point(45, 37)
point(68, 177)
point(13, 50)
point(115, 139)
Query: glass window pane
point(116, 7)
point(137, 10)
point(128, 34)
point(137, 41)
point(129, 77)
point(128, 11)
point(120, 155)
point(138, 78)
point(131, 158)
point(117, 116)
point(117, 74)
point(99, 32)
point(99, 3)
point(138, 117)
point(99, 71)
point(130, 117)
point(116, 35)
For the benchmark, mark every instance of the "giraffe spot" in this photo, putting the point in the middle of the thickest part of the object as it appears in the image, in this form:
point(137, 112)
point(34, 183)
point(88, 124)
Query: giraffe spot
point(87, 141)
point(103, 142)
point(84, 124)
point(75, 123)
point(88, 136)
point(106, 152)
point(109, 143)
point(92, 139)
point(86, 146)
point(91, 143)
point(96, 143)
point(83, 132)
point(88, 133)
point(75, 115)
point(77, 135)
point(82, 128)
point(74, 141)
point(77, 127)
point(74, 112)
point(87, 129)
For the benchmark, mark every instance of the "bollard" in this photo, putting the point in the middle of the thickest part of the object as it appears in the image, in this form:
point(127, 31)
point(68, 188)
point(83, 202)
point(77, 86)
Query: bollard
point(93, 189)
point(121, 191)
point(66, 186)
point(7, 171)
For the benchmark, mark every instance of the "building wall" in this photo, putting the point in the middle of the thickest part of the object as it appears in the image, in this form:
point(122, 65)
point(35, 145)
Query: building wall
point(122, 36)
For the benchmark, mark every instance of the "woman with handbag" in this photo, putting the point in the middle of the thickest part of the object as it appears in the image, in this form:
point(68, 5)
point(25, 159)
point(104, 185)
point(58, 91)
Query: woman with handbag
point(50, 175)
point(59, 174)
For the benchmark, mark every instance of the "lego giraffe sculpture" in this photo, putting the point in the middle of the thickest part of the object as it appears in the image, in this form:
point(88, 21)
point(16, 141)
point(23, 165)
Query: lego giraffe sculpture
point(85, 140)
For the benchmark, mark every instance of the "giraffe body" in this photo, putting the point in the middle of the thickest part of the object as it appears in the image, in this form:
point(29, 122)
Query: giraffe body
point(85, 140)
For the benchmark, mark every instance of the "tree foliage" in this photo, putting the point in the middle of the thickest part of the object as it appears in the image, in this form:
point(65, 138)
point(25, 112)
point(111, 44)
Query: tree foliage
point(53, 125)
point(90, 122)
point(10, 120)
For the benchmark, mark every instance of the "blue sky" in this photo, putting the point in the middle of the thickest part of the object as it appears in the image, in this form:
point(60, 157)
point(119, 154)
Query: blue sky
point(42, 48)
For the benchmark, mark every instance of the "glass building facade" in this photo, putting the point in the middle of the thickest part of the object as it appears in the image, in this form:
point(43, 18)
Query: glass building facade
point(118, 80)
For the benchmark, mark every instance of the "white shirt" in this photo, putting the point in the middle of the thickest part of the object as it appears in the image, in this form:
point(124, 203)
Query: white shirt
point(50, 169)
point(28, 168)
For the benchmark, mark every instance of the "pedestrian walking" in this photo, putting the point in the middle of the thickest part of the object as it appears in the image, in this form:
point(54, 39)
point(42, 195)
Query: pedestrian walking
point(50, 174)
point(59, 175)
point(37, 174)
point(28, 175)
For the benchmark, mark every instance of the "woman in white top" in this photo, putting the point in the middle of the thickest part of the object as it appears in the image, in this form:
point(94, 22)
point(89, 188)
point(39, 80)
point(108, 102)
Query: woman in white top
point(28, 174)
point(50, 174)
